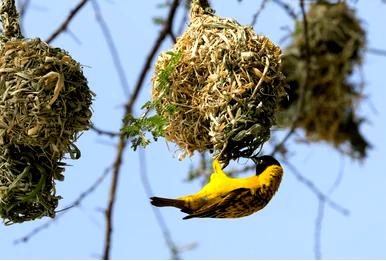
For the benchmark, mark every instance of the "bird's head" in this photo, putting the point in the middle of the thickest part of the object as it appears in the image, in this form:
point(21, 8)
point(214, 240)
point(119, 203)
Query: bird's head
point(264, 162)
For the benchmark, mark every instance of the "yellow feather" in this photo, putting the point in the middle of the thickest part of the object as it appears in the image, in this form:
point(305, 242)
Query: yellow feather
point(221, 197)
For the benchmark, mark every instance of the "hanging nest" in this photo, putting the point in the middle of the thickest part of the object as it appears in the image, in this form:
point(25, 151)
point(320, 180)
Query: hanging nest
point(218, 87)
point(44, 105)
point(45, 101)
point(328, 112)
point(27, 188)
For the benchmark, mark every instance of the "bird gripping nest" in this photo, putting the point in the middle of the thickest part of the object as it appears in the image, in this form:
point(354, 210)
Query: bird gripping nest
point(218, 87)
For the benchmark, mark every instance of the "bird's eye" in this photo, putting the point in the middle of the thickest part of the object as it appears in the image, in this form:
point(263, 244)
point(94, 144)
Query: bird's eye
point(260, 161)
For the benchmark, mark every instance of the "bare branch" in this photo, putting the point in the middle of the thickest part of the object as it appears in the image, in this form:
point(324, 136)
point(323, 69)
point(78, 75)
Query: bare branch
point(339, 177)
point(303, 86)
point(320, 195)
point(161, 37)
point(104, 132)
point(112, 196)
point(23, 9)
point(377, 51)
point(112, 48)
point(174, 250)
point(66, 22)
point(183, 21)
point(122, 140)
point(37, 230)
point(318, 229)
point(258, 12)
point(62, 212)
point(287, 8)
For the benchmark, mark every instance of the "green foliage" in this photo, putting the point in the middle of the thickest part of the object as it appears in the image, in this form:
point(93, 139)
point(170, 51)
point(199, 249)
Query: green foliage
point(136, 128)
point(163, 76)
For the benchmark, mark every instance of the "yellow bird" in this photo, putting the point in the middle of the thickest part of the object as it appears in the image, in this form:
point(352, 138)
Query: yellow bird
point(225, 197)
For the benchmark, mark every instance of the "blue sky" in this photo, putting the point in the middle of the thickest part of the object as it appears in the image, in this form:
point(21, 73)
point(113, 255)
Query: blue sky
point(283, 230)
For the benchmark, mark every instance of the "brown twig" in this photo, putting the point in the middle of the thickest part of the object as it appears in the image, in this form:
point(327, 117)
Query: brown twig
point(112, 196)
point(183, 21)
point(318, 193)
point(161, 37)
point(23, 8)
point(122, 140)
point(174, 250)
point(66, 22)
point(303, 86)
point(62, 212)
point(318, 229)
point(377, 51)
point(258, 12)
point(99, 131)
point(112, 48)
point(287, 8)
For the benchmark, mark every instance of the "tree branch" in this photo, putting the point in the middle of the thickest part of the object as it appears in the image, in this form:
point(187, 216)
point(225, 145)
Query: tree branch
point(287, 8)
point(258, 12)
point(161, 37)
point(62, 212)
point(112, 48)
point(174, 250)
point(318, 229)
point(303, 86)
point(122, 139)
point(104, 132)
point(66, 22)
point(309, 184)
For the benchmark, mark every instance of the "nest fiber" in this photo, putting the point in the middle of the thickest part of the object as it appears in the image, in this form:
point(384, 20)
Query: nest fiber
point(218, 87)
point(44, 97)
point(27, 188)
point(336, 41)
point(44, 105)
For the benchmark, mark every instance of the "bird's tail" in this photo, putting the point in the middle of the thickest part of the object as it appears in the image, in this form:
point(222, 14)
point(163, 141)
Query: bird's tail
point(167, 202)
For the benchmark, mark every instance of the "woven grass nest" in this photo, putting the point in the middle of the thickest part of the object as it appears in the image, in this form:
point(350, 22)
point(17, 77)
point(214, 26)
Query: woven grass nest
point(44, 106)
point(336, 42)
point(218, 87)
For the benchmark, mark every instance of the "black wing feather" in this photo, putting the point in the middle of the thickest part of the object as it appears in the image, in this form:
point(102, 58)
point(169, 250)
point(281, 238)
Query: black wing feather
point(218, 208)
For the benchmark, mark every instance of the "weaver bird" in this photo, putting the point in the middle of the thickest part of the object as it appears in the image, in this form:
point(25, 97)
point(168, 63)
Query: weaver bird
point(225, 197)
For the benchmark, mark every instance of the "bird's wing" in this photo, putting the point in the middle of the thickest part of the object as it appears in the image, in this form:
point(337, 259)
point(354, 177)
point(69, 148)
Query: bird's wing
point(227, 204)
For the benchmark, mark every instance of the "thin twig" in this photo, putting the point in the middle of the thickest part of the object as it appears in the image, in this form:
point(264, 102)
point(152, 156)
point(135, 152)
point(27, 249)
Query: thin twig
point(377, 51)
point(303, 86)
point(309, 184)
point(339, 177)
point(38, 229)
point(183, 21)
point(66, 22)
point(161, 37)
point(287, 8)
point(112, 196)
point(62, 212)
point(122, 139)
point(23, 8)
point(318, 229)
point(104, 132)
point(112, 48)
point(258, 12)
point(278, 147)
point(87, 192)
point(174, 250)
